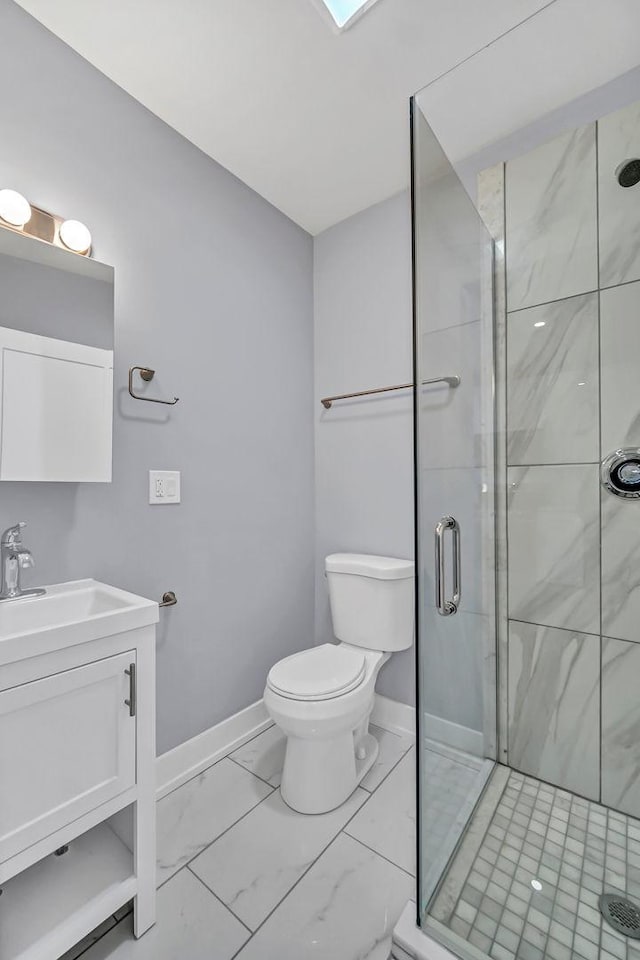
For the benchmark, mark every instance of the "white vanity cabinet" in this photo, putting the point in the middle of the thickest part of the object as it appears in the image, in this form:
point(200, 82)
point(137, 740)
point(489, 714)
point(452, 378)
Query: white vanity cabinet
point(77, 748)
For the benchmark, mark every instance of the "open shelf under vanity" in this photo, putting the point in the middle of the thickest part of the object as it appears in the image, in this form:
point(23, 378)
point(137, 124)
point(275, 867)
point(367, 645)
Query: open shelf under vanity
point(48, 908)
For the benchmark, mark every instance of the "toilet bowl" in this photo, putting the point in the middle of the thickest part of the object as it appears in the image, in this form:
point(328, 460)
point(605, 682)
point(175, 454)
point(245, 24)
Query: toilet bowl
point(322, 697)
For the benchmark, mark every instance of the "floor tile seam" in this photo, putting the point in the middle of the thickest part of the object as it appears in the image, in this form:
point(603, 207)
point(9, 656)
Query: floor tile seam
point(392, 769)
point(180, 786)
point(273, 789)
point(215, 763)
point(310, 866)
point(91, 945)
point(220, 901)
point(369, 790)
point(253, 774)
point(286, 896)
point(378, 854)
point(306, 869)
point(218, 837)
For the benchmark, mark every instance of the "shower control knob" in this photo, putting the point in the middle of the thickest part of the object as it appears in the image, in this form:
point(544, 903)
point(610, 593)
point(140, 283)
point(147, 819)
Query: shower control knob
point(620, 473)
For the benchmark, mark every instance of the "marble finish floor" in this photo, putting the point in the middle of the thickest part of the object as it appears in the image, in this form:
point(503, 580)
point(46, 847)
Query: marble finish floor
point(240, 875)
point(526, 880)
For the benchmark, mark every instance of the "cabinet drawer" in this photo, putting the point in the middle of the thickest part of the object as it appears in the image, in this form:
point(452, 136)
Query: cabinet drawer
point(67, 744)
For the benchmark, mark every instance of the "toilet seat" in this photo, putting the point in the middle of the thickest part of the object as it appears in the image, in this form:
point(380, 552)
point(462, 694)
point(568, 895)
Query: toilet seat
point(319, 673)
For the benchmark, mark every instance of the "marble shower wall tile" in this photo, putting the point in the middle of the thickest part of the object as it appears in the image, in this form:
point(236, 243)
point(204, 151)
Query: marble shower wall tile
point(618, 140)
point(551, 220)
point(620, 567)
point(554, 724)
point(621, 725)
point(552, 402)
point(620, 365)
point(554, 548)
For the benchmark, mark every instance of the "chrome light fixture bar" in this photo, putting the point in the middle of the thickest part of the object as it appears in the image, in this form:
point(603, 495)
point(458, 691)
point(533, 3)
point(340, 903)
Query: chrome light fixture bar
point(17, 214)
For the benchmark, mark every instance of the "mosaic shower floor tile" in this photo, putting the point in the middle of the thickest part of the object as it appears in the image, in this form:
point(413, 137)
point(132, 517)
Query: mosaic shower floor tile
point(534, 881)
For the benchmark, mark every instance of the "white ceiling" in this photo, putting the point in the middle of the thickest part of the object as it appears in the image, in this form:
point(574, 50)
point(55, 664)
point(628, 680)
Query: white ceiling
point(317, 121)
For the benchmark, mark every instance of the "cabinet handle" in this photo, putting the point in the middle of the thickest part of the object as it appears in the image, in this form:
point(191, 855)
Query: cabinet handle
point(131, 702)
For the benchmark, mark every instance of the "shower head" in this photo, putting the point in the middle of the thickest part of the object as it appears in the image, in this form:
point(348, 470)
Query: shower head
point(628, 173)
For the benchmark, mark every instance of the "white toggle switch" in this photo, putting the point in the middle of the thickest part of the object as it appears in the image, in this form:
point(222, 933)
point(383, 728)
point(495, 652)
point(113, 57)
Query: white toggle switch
point(164, 486)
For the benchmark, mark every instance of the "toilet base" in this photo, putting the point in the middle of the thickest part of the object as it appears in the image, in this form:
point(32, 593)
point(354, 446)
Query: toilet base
point(319, 775)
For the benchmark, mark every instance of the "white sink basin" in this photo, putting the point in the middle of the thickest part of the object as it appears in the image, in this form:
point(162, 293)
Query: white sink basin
point(69, 613)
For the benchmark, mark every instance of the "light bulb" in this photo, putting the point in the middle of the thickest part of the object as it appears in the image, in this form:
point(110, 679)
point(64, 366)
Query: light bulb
point(75, 236)
point(14, 208)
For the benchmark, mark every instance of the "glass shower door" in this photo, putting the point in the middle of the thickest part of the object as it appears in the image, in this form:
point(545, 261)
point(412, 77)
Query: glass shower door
point(454, 464)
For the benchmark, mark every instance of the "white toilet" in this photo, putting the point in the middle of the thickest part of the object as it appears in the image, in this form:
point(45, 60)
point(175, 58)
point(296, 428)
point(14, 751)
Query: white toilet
point(321, 698)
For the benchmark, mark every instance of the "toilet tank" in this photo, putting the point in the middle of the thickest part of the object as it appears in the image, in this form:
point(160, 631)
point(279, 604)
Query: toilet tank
point(372, 600)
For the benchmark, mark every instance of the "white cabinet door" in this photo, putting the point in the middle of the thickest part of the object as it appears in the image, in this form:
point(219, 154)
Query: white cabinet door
point(56, 409)
point(67, 744)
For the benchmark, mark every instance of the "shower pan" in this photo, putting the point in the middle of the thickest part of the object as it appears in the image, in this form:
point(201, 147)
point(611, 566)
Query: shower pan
point(527, 479)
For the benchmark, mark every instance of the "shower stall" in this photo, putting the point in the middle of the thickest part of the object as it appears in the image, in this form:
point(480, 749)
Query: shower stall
point(527, 472)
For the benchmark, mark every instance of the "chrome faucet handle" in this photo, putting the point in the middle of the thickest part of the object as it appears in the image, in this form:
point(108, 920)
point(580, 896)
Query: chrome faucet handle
point(12, 535)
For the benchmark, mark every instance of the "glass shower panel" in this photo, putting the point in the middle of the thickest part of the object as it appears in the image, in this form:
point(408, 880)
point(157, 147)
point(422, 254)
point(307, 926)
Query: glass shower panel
point(454, 463)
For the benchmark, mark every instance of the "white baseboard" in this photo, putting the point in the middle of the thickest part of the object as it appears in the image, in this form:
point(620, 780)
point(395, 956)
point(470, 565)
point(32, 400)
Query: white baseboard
point(401, 718)
point(454, 735)
point(193, 756)
point(394, 716)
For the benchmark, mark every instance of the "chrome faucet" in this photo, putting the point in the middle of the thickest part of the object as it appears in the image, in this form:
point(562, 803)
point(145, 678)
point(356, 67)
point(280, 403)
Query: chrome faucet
point(14, 558)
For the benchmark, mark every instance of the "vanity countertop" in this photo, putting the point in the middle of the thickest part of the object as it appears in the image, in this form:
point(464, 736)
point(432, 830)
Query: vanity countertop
point(69, 614)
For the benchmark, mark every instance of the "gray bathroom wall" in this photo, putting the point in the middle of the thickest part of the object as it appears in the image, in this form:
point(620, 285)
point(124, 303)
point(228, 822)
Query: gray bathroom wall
point(213, 289)
point(364, 457)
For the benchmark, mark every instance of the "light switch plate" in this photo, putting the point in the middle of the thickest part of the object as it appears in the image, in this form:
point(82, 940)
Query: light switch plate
point(164, 486)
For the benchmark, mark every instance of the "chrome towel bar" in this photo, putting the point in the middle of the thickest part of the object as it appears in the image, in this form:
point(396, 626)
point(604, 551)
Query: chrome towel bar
point(146, 375)
point(450, 381)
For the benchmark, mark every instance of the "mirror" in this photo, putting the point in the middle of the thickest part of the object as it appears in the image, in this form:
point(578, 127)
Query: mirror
point(56, 363)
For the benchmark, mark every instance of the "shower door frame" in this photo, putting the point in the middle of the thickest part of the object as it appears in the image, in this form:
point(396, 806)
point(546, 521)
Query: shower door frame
point(491, 725)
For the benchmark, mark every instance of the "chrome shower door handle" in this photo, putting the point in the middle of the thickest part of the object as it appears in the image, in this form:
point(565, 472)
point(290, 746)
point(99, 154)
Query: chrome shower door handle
point(448, 607)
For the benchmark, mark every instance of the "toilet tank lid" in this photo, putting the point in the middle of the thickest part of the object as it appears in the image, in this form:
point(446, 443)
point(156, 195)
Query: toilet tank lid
point(367, 565)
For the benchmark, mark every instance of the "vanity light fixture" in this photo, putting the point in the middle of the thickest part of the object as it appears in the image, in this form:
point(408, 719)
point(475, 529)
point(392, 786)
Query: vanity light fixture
point(14, 208)
point(16, 213)
point(75, 236)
